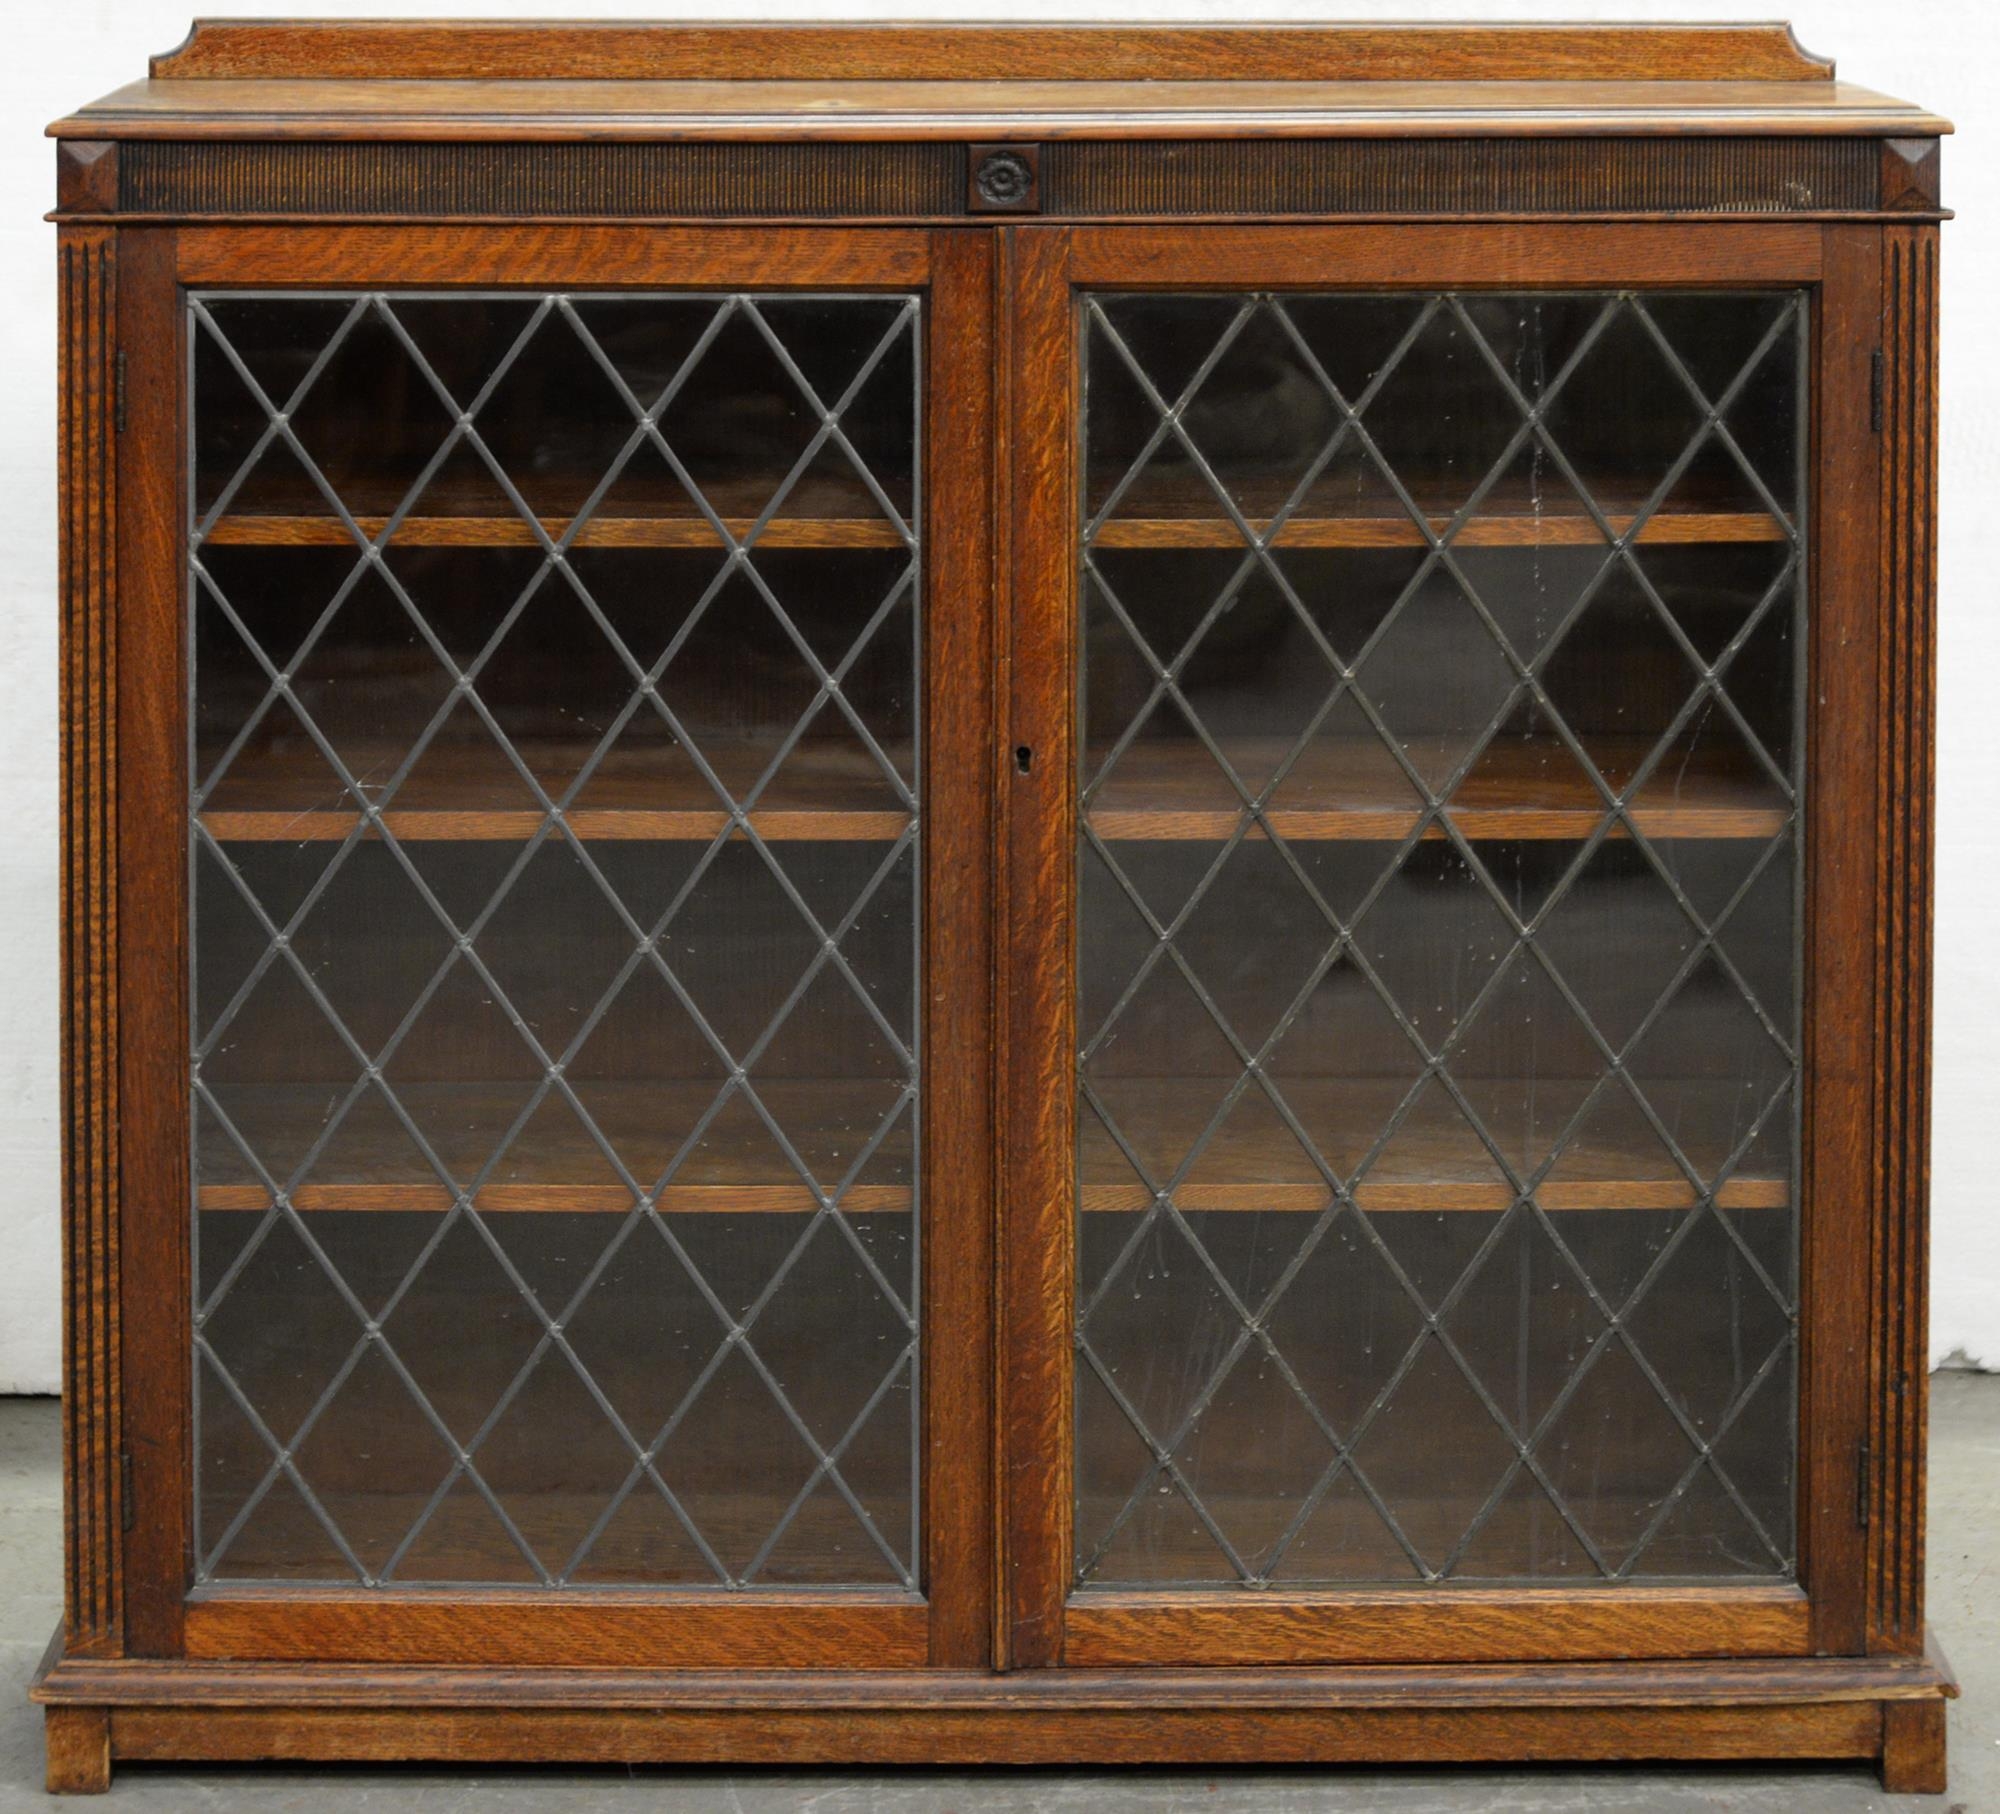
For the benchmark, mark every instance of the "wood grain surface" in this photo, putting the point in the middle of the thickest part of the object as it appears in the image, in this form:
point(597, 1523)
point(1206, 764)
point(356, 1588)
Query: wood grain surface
point(1035, 969)
point(1463, 1624)
point(464, 792)
point(1842, 857)
point(961, 689)
point(152, 1290)
point(1765, 1681)
point(1763, 1708)
point(994, 110)
point(494, 50)
point(737, 1168)
point(1043, 1736)
point(560, 257)
point(1426, 1168)
point(1340, 787)
point(794, 1629)
point(1431, 255)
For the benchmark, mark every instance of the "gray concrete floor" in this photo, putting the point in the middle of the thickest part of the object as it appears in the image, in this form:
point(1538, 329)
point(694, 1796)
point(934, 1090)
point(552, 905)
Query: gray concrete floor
point(1965, 1536)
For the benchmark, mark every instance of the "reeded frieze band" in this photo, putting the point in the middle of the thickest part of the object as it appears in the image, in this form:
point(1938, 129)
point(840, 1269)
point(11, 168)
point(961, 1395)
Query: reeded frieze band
point(1077, 179)
point(429, 181)
point(1461, 176)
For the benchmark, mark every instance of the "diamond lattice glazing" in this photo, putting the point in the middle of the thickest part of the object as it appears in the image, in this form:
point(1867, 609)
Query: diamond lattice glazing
point(553, 853)
point(1437, 870)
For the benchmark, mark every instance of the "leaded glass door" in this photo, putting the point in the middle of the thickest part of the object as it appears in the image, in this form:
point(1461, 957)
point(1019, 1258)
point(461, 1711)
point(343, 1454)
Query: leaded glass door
point(562, 726)
point(1432, 761)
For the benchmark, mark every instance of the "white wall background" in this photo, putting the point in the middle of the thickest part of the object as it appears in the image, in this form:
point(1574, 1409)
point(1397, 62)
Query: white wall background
point(1939, 52)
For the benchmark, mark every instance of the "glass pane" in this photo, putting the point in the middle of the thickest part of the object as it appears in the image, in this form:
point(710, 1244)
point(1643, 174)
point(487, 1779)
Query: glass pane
point(553, 852)
point(1438, 874)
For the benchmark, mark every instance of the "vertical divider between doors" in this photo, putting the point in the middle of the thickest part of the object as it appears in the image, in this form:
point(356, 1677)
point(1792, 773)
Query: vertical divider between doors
point(1036, 498)
point(960, 713)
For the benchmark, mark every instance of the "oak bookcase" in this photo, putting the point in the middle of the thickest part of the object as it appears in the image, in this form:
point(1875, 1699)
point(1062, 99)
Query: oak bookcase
point(995, 895)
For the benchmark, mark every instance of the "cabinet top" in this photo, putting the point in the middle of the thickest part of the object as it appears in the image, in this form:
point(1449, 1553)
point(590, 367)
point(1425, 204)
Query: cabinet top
point(493, 80)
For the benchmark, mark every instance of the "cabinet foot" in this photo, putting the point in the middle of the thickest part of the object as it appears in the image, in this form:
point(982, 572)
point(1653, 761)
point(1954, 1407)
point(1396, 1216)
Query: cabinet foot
point(1913, 1747)
point(78, 1742)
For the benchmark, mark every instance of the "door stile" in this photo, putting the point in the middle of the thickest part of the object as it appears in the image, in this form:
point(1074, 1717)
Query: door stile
point(1038, 959)
point(960, 734)
point(1843, 858)
point(152, 861)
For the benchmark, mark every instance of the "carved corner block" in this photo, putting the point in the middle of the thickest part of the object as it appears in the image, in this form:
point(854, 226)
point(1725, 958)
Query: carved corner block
point(86, 176)
point(1911, 175)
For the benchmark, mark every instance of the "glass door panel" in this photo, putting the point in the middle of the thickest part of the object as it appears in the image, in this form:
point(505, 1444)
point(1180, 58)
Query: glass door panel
point(553, 859)
point(1438, 871)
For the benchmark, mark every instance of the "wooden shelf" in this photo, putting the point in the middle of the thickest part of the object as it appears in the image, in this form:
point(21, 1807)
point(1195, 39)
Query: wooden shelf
point(832, 793)
point(1182, 512)
point(557, 1167)
point(817, 513)
point(1346, 788)
point(1353, 788)
point(759, 51)
point(693, 531)
point(824, 513)
point(513, 532)
point(1398, 531)
point(739, 1171)
point(1429, 1166)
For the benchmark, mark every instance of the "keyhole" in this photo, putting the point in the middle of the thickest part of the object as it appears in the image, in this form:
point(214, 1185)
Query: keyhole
point(1024, 758)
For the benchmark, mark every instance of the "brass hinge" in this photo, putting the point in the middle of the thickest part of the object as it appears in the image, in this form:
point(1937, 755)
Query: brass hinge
point(118, 391)
point(128, 1510)
point(1875, 390)
point(1864, 1482)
